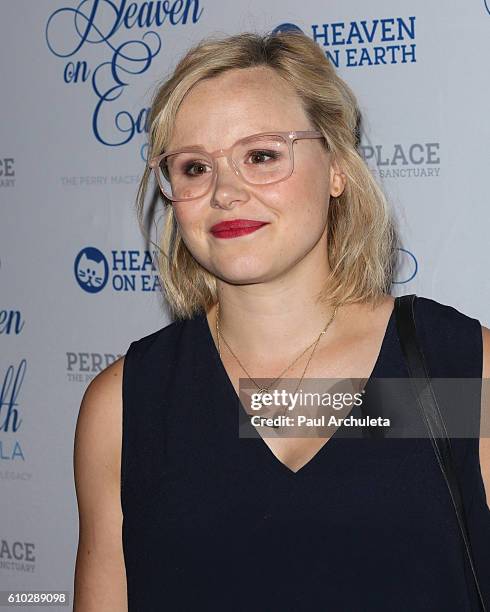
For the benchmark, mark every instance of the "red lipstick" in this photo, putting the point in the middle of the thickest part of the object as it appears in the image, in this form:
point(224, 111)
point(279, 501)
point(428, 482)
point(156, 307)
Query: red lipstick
point(236, 227)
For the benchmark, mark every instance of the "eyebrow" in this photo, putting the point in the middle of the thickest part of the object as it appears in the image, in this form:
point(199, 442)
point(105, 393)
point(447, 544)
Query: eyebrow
point(191, 146)
point(201, 146)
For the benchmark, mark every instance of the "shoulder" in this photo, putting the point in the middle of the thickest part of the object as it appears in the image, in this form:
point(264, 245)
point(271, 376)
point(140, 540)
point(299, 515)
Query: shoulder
point(99, 428)
point(486, 351)
point(485, 415)
point(99, 425)
point(450, 338)
point(459, 345)
point(101, 408)
point(100, 412)
point(163, 336)
point(431, 311)
point(162, 345)
point(97, 460)
point(98, 434)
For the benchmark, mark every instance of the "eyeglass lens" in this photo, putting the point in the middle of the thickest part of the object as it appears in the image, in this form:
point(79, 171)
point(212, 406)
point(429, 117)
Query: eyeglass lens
point(260, 160)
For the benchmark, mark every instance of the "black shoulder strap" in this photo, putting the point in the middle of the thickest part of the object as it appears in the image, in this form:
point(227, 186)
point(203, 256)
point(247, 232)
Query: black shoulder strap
point(431, 415)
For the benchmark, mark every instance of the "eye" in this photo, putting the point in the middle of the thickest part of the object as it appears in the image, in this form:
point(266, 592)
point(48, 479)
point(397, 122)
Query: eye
point(195, 168)
point(259, 155)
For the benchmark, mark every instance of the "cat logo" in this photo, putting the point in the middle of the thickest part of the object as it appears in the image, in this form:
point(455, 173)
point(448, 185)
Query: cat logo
point(91, 270)
point(286, 27)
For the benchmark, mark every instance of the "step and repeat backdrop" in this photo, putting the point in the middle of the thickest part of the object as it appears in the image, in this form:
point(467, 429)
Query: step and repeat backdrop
point(76, 81)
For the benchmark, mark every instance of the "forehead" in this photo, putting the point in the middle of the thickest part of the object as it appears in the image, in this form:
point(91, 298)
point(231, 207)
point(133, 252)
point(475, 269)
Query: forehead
point(219, 110)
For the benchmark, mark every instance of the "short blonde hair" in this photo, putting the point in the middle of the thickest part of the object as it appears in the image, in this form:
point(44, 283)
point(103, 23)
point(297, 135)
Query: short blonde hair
point(361, 241)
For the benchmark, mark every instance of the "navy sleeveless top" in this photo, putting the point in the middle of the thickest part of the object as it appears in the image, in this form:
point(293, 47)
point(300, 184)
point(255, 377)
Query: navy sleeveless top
point(214, 521)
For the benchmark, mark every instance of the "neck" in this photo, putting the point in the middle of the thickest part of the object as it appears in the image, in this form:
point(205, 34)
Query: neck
point(265, 324)
point(271, 322)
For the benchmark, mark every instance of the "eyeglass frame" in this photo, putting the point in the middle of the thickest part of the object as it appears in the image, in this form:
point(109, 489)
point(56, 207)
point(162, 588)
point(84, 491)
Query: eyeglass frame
point(289, 138)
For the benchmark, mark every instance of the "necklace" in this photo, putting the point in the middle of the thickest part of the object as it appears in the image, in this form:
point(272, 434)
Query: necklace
point(263, 390)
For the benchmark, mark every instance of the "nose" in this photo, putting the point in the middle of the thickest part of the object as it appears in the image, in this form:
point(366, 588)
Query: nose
point(228, 188)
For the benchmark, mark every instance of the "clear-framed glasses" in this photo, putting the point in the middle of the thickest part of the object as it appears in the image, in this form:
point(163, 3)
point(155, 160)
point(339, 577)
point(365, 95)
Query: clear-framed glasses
point(259, 159)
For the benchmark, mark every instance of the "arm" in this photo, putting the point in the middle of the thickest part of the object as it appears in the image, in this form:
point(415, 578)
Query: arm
point(485, 415)
point(100, 576)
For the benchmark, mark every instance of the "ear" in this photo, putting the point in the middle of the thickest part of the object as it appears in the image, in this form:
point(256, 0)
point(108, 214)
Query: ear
point(337, 179)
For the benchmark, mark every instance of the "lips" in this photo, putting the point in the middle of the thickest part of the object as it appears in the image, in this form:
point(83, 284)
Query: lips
point(236, 224)
point(236, 227)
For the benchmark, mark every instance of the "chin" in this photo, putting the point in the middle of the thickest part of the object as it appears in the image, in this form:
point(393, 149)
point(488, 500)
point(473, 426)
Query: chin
point(242, 274)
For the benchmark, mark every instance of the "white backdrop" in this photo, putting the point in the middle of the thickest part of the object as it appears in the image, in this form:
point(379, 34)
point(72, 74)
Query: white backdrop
point(76, 79)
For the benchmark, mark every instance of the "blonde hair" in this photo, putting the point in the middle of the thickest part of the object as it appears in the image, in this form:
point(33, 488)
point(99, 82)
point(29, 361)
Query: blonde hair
point(361, 240)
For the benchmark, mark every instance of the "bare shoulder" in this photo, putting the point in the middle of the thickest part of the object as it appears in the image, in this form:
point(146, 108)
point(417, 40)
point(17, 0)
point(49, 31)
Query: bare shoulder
point(486, 351)
point(485, 414)
point(107, 382)
point(100, 579)
point(99, 423)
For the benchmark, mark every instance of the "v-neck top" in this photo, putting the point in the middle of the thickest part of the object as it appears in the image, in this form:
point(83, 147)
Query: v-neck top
point(214, 521)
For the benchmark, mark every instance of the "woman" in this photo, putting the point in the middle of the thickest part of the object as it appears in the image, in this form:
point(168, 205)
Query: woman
point(276, 262)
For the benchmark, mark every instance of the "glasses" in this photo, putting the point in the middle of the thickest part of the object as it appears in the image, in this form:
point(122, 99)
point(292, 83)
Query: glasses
point(260, 159)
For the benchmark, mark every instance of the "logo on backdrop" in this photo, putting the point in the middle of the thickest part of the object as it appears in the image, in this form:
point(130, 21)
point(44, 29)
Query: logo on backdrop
point(127, 33)
point(286, 27)
point(82, 367)
point(366, 42)
point(10, 420)
point(487, 5)
point(413, 160)
point(407, 267)
point(17, 555)
point(123, 270)
point(7, 172)
point(91, 269)
point(11, 322)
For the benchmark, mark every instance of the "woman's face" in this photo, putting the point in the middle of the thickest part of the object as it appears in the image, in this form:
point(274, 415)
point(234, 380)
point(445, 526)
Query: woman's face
point(216, 113)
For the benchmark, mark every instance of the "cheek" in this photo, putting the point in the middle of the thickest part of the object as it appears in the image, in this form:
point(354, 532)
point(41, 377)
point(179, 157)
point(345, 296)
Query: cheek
point(302, 203)
point(188, 219)
point(183, 214)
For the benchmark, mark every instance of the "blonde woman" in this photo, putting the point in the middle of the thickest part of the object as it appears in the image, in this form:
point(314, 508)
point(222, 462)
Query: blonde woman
point(277, 261)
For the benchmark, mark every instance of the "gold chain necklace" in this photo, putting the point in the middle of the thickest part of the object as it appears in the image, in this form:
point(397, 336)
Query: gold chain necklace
point(263, 390)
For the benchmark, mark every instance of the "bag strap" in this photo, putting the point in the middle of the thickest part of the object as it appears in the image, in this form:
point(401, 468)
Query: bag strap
point(431, 415)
